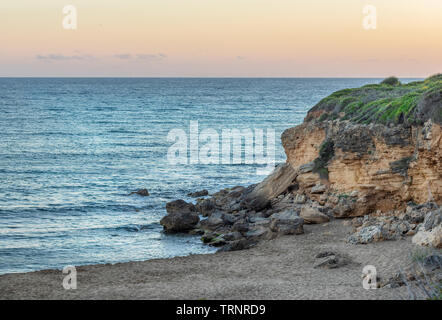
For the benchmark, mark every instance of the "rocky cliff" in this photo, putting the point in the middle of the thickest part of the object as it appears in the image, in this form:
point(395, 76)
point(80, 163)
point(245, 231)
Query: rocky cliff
point(371, 148)
point(374, 151)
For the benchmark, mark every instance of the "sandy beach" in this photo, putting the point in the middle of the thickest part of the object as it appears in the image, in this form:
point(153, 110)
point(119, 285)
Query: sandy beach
point(275, 269)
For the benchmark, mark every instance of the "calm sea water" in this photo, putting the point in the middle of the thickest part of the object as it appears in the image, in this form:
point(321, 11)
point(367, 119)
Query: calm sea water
point(71, 150)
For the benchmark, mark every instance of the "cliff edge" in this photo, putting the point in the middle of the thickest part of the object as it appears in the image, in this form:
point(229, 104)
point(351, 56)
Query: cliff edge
point(372, 154)
point(380, 143)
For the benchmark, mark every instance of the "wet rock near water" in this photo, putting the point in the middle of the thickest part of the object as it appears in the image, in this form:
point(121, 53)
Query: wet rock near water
point(229, 221)
point(180, 206)
point(181, 217)
point(205, 206)
point(198, 194)
point(179, 221)
point(239, 217)
point(141, 192)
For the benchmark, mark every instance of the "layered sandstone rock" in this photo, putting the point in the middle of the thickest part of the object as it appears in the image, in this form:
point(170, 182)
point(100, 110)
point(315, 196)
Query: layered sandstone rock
point(374, 151)
point(387, 163)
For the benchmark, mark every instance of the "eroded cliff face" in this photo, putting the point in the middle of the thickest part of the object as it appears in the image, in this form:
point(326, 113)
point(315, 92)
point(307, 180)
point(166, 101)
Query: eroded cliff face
point(374, 151)
point(371, 148)
point(386, 166)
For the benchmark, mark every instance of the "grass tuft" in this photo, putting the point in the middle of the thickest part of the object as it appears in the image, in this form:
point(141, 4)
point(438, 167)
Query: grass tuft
point(387, 102)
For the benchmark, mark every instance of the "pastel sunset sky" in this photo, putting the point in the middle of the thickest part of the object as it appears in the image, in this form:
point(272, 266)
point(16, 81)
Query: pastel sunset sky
point(221, 38)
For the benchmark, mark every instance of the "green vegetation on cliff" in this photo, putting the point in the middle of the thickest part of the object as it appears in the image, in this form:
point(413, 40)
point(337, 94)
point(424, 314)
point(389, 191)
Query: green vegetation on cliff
point(387, 102)
point(326, 152)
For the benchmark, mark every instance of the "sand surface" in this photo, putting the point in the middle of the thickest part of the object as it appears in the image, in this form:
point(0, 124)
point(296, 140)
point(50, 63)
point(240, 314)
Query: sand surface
point(276, 269)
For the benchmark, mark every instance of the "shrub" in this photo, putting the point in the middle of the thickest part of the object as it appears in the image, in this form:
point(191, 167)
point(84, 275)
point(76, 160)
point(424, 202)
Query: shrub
point(423, 280)
point(326, 152)
point(392, 81)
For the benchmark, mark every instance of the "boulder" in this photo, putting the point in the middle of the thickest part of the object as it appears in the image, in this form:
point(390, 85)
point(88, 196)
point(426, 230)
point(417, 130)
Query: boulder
point(209, 237)
point(401, 228)
point(141, 192)
point(228, 200)
point(206, 207)
point(283, 202)
point(263, 222)
point(324, 254)
point(232, 236)
point(344, 208)
point(231, 205)
point(197, 194)
point(181, 217)
point(240, 244)
point(357, 222)
point(286, 222)
point(236, 192)
point(212, 223)
point(432, 220)
point(179, 206)
point(271, 187)
point(313, 215)
point(179, 221)
point(319, 188)
point(259, 233)
point(197, 232)
point(369, 234)
point(229, 218)
point(300, 199)
point(330, 260)
point(240, 226)
point(430, 231)
point(218, 241)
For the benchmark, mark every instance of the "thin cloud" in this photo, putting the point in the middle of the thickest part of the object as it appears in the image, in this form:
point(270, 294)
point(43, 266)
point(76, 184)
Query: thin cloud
point(123, 56)
point(62, 57)
point(140, 56)
point(145, 56)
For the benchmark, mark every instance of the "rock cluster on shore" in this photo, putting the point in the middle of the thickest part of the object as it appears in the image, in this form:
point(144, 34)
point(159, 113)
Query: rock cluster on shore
point(181, 216)
point(423, 222)
point(371, 154)
point(235, 218)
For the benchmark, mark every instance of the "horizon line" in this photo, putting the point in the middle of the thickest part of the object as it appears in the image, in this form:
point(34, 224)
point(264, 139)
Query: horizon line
point(208, 77)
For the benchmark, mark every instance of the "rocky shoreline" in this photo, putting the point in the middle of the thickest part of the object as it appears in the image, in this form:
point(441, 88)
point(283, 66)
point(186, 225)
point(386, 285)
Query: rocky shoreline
point(371, 156)
point(317, 264)
point(231, 223)
point(362, 186)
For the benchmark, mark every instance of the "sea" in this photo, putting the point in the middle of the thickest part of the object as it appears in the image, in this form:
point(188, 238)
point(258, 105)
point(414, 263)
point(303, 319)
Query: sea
point(73, 149)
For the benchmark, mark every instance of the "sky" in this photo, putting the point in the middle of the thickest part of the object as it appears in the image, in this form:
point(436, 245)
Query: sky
point(220, 38)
